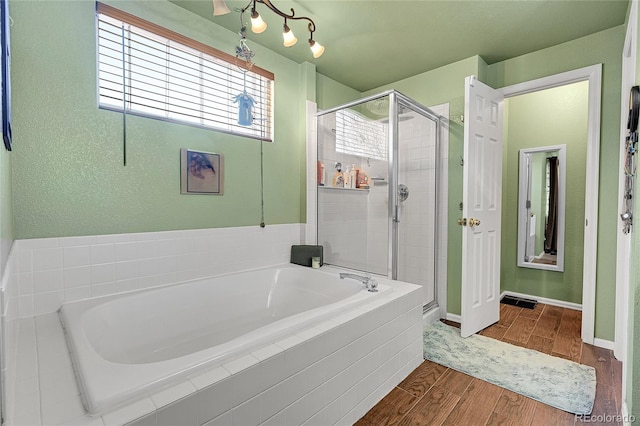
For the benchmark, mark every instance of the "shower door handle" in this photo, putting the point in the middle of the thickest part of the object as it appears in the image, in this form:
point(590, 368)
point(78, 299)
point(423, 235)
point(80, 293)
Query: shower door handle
point(396, 216)
point(403, 192)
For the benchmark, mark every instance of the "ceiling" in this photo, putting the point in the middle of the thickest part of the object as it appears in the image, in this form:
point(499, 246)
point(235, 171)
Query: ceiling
point(370, 43)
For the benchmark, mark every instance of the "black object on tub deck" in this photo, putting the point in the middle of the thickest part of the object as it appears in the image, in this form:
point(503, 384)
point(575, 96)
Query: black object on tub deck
point(302, 254)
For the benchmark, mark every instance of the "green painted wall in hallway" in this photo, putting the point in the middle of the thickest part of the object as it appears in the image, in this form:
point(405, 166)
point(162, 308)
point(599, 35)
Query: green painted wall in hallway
point(68, 177)
point(550, 117)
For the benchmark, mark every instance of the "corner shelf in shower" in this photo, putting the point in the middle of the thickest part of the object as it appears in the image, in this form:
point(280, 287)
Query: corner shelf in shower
point(344, 189)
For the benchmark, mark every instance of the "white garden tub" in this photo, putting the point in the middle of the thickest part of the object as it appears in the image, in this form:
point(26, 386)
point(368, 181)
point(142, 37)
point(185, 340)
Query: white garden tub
point(127, 346)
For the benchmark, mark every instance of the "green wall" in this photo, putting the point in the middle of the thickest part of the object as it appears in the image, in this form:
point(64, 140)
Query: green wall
point(330, 93)
point(549, 117)
point(604, 47)
point(68, 176)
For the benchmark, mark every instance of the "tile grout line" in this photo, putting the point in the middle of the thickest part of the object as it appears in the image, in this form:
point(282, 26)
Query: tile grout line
point(35, 335)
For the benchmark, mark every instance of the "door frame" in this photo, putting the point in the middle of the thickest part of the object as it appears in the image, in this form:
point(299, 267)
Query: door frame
point(592, 74)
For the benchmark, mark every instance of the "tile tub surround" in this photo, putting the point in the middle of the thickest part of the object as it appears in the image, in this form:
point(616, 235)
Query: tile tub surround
point(51, 271)
point(332, 372)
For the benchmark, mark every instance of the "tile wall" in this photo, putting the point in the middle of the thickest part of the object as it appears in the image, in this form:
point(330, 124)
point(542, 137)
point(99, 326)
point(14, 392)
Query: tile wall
point(51, 271)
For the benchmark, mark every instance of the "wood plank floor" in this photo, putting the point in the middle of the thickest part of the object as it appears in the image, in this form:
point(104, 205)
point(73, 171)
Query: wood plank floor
point(436, 395)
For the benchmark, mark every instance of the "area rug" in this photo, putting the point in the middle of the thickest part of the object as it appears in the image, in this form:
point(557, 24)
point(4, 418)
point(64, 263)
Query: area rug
point(558, 382)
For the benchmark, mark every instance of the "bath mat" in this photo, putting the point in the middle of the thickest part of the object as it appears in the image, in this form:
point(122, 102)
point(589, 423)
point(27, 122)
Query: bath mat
point(554, 381)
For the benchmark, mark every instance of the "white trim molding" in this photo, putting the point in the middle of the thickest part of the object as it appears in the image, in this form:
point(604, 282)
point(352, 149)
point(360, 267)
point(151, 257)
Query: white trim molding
point(454, 317)
point(602, 343)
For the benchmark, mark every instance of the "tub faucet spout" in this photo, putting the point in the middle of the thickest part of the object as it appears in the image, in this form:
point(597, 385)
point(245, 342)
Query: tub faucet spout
point(370, 283)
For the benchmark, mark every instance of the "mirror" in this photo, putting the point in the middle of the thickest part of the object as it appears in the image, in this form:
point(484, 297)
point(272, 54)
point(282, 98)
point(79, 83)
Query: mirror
point(541, 207)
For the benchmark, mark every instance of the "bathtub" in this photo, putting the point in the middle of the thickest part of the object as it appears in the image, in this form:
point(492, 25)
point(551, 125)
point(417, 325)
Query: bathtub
point(125, 347)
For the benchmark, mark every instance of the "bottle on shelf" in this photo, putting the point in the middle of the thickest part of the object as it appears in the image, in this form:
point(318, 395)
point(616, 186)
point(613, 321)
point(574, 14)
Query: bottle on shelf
point(353, 177)
point(320, 173)
point(338, 179)
point(347, 178)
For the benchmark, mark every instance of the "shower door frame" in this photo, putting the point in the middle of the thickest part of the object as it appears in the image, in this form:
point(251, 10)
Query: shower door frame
point(395, 99)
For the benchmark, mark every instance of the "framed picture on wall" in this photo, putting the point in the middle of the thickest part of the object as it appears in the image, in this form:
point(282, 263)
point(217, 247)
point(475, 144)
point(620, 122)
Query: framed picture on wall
point(6, 74)
point(201, 172)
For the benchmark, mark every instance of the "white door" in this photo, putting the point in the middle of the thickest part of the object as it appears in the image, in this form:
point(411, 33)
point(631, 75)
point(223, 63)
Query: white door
point(481, 198)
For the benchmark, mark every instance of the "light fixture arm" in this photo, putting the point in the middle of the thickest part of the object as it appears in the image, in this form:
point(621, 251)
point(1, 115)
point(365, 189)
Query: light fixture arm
point(258, 25)
point(271, 6)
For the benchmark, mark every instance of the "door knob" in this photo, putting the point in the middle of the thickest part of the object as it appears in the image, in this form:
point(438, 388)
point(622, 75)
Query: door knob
point(473, 222)
point(462, 222)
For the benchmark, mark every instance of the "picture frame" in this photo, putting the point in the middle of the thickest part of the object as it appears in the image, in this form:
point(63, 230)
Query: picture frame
point(201, 172)
point(5, 65)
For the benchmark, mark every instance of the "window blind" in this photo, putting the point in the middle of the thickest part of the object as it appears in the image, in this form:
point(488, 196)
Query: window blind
point(358, 135)
point(147, 70)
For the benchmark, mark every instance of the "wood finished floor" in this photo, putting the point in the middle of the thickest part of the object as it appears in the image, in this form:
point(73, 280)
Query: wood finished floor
point(437, 395)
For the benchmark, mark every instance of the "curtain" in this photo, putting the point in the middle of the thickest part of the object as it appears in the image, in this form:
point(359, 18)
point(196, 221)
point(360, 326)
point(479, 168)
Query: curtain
point(551, 230)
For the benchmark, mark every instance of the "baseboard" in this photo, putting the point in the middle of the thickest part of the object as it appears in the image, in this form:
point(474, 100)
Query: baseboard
point(546, 301)
point(430, 316)
point(626, 418)
point(454, 317)
point(601, 343)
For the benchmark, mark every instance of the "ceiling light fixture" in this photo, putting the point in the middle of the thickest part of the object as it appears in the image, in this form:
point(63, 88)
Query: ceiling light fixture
point(220, 8)
point(258, 25)
point(289, 39)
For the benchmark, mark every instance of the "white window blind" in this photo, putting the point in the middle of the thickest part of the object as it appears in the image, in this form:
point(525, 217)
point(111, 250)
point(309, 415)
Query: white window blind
point(359, 135)
point(156, 73)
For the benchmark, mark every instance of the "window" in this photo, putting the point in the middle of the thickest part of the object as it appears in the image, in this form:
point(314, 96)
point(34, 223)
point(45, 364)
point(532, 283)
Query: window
point(154, 72)
point(359, 135)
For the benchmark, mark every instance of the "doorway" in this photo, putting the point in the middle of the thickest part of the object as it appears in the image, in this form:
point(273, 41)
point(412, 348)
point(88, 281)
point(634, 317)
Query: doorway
point(592, 75)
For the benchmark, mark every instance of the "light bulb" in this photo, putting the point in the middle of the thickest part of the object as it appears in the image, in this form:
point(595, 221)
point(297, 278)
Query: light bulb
point(220, 8)
point(316, 48)
point(257, 24)
point(288, 37)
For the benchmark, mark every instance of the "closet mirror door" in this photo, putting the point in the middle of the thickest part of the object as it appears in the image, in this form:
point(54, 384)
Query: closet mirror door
point(541, 207)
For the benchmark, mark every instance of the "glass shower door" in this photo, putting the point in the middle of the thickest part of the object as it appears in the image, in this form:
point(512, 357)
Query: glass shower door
point(415, 219)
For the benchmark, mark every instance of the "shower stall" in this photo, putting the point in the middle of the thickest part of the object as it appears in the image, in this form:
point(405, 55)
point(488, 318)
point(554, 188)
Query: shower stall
point(378, 162)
